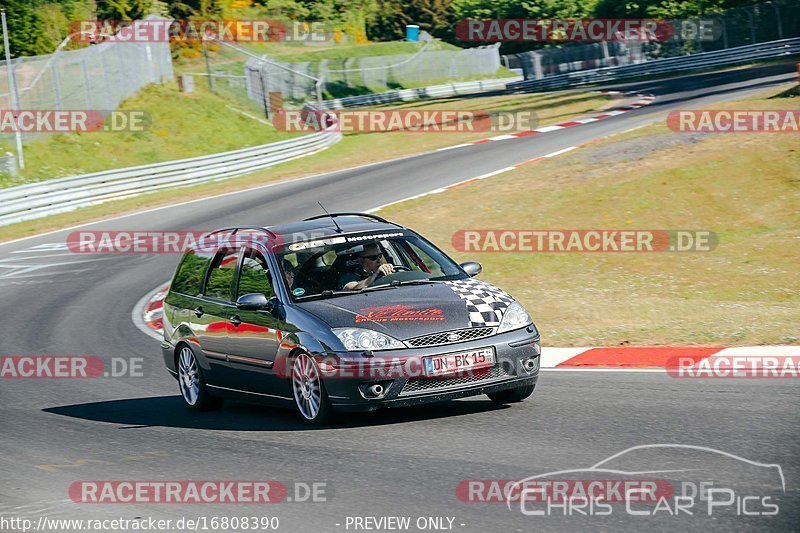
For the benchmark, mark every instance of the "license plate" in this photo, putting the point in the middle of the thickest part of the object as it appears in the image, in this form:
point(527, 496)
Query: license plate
point(459, 363)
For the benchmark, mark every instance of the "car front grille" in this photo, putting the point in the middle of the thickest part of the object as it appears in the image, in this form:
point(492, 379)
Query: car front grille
point(437, 339)
point(418, 385)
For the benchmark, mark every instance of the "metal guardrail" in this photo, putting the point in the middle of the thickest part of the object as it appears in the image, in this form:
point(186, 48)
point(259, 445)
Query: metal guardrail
point(720, 58)
point(421, 93)
point(37, 200)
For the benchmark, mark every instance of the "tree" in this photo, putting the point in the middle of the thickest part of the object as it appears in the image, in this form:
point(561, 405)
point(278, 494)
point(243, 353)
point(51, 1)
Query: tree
point(24, 30)
point(434, 16)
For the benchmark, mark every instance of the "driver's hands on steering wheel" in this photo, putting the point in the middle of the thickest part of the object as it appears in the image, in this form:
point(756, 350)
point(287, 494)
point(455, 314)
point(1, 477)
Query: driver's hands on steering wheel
point(385, 269)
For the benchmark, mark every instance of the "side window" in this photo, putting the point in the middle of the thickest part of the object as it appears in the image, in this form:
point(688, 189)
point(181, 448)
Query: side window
point(255, 275)
point(416, 254)
point(220, 279)
point(189, 275)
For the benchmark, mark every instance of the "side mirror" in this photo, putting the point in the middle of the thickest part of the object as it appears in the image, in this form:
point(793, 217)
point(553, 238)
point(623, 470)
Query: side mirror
point(254, 302)
point(472, 268)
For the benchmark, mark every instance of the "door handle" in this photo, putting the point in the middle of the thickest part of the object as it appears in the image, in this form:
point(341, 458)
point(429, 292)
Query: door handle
point(198, 311)
point(235, 320)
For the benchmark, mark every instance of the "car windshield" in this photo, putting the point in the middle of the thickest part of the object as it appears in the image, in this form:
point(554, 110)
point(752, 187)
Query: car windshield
point(321, 268)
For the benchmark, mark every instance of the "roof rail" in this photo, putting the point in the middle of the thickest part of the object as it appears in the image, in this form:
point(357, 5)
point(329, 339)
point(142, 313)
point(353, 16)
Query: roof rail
point(347, 214)
point(234, 229)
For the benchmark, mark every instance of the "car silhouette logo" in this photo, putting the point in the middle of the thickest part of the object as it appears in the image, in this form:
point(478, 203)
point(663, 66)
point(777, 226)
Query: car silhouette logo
point(454, 337)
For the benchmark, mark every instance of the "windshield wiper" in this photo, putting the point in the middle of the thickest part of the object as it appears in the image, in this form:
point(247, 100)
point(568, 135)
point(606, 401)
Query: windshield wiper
point(324, 294)
point(397, 283)
point(413, 282)
point(378, 287)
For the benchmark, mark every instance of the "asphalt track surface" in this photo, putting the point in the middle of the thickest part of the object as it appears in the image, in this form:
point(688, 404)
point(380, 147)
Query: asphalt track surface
point(396, 463)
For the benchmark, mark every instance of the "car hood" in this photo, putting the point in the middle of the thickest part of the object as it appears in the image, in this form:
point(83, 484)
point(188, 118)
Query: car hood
point(409, 311)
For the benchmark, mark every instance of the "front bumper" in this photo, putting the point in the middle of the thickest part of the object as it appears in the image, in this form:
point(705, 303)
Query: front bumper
point(517, 356)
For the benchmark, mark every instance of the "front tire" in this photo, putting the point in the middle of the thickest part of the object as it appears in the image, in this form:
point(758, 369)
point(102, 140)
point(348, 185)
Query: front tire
point(310, 398)
point(192, 384)
point(511, 395)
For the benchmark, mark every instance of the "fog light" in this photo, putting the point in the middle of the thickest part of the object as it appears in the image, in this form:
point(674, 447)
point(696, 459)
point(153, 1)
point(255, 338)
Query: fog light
point(531, 364)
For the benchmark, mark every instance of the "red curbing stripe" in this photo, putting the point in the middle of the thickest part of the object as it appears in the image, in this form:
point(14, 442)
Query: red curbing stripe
point(152, 305)
point(643, 101)
point(636, 356)
point(459, 184)
point(529, 161)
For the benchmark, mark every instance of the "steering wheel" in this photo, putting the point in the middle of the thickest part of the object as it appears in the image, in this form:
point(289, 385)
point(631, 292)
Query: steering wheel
point(406, 275)
point(401, 268)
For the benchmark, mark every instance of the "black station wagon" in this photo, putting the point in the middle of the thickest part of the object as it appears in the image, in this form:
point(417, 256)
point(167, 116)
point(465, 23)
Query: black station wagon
point(340, 312)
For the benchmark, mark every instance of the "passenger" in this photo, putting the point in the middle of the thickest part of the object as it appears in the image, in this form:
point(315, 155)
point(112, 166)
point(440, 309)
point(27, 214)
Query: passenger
point(288, 270)
point(372, 266)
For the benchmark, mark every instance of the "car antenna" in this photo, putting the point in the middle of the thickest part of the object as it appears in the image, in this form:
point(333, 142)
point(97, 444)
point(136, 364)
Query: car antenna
point(338, 229)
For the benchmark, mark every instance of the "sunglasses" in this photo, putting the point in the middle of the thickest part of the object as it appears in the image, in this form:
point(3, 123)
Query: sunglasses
point(372, 257)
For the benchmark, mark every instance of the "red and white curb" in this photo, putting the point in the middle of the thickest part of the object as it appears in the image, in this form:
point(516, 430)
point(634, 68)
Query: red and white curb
point(644, 99)
point(147, 315)
point(649, 358)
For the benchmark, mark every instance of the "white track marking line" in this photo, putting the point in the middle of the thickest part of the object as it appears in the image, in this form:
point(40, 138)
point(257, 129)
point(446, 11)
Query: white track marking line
point(48, 247)
point(545, 129)
point(559, 152)
point(502, 137)
point(451, 147)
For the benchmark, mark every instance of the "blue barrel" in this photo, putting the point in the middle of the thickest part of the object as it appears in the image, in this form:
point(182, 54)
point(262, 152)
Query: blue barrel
point(412, 33)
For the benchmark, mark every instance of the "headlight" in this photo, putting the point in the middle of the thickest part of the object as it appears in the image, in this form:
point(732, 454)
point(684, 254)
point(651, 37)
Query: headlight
point(515, 317)
point(355, 339)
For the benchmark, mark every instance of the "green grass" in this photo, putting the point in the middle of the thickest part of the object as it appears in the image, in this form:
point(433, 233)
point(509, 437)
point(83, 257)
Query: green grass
point(744, 187)
point(180, 125)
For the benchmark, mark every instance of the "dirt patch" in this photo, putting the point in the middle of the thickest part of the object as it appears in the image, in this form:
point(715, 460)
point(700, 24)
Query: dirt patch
point(638, 148)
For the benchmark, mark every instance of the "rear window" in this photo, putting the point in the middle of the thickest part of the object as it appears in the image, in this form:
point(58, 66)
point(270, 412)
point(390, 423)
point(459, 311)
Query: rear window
point(220, 278)
point(189, 276)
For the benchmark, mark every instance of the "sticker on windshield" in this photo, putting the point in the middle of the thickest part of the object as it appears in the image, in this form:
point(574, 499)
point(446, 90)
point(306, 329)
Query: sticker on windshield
point(299, 291)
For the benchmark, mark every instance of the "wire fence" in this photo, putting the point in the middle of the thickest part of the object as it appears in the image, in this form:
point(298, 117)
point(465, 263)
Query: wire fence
point(98, 77)
point(252, 81)
point(769, 21)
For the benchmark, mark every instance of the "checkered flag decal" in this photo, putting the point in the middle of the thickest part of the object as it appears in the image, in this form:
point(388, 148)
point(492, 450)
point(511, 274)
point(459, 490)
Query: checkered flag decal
point(486, 304)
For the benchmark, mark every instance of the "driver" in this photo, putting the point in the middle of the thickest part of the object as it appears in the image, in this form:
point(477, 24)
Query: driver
point(372, 266)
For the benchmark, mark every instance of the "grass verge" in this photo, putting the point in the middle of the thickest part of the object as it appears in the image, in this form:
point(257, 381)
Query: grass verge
point(745, 187)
